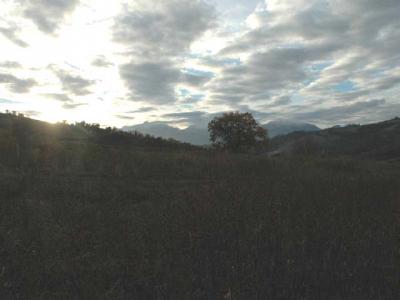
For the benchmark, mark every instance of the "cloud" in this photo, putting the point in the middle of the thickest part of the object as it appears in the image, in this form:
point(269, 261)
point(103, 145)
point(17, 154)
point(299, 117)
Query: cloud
point(281, 101)
point(67, 102)
point(48, 15)
point(72, 105)
point(198, 119)
point(194, 80)
point(74, 84)
point(59, 97)
point(158, 35)
point(151, 82)
point(311, 48)
point(141, 110)
point(191, 115)
point(345, 113)
point(124, 117)
point(102, 62)
point(10, 65)
point(17, 85)
point(163, 29)
point(11, 33)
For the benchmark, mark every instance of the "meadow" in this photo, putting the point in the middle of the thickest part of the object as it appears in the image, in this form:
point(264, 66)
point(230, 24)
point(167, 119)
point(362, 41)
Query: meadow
point(140, 218)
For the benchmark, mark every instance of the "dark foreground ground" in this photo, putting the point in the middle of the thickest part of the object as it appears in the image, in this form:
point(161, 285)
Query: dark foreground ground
point(91, 221)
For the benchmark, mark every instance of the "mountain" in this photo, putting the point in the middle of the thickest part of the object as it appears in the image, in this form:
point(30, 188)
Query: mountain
point(199, 135)
point(283, 127)
point(193, 135)
point(373, 141)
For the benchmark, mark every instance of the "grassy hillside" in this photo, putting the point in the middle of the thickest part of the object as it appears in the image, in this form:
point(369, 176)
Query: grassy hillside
point(379, 141)
point(87, 213)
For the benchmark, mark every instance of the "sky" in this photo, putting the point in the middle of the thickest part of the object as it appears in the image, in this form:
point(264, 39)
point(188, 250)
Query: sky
point(181, 62)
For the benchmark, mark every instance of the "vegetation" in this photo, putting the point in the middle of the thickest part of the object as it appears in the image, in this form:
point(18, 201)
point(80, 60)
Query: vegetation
point(236, 131)
point(379, 141)
point(89, 213)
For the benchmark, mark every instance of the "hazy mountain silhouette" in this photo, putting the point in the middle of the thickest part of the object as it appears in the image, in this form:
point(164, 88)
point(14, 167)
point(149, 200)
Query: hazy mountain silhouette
point(199, 135)
point(375, 141)
point(282, 127)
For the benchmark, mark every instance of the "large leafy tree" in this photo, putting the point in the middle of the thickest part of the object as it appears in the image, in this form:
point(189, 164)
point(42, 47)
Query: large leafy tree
point(236, 131)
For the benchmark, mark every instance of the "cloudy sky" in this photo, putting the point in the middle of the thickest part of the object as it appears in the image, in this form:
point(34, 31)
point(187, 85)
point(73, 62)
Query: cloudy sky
point(181, 61)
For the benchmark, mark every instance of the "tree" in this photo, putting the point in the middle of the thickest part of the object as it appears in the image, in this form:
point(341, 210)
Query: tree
point(236, 132)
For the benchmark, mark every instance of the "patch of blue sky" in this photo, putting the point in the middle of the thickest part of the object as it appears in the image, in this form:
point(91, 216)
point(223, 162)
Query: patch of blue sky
point(345, 87)
point(7, 101)
point(197, 96)
point(292, 46)
point(317, 68)
point(308, 81)
point(378, 72)
point(297, 99)
point(183, 92)
point(187, 94)
point(222, 62)
point(199, 73)
point(231, 62)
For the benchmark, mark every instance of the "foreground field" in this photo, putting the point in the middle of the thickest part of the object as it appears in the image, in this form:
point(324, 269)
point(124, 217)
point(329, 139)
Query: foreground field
point(83, 219)
point(202, 227)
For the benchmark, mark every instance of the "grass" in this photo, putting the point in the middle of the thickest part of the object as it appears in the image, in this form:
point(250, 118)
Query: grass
point(96, 221)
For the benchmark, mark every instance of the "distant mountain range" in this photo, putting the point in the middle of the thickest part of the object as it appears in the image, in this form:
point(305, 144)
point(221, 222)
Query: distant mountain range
point(373, 141)
point(200, 136)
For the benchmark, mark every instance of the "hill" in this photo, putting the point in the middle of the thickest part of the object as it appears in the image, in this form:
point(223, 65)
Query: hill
point(372, 141)
point(91, 213)
point(193, 135)
point(200, 136)
point(283, 127)
point(27, 141)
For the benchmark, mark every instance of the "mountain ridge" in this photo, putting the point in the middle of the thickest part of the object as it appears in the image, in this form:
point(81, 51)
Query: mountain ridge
point(199, 135)
point(374, 141)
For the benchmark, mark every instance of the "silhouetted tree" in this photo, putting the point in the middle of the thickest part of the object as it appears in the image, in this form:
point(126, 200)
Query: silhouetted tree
point(236, 131)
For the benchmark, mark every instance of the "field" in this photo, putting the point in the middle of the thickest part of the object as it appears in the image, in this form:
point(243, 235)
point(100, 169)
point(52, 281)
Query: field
point(89, 219)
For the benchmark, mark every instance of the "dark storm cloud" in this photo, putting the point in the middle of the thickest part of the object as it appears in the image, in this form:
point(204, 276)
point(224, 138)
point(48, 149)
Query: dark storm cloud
point(74, 84)
point(11, 33)
point(48, 15)
point(17, 85)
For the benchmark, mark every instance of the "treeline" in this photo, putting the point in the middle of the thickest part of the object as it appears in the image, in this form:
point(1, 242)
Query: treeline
point(32, 145)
